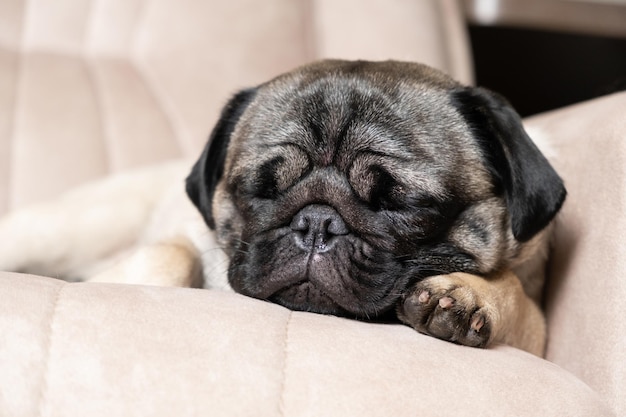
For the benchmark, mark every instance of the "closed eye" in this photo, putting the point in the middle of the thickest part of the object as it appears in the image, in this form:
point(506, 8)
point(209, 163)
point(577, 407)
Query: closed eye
point(266, 184)
point(279, 173)
point(384, 189)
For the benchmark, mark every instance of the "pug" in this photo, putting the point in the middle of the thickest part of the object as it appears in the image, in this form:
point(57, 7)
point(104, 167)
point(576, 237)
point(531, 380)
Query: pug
point(363, 189)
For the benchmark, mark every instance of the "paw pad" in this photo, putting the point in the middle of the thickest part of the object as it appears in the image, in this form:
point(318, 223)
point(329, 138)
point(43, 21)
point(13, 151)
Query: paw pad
point(450, 312)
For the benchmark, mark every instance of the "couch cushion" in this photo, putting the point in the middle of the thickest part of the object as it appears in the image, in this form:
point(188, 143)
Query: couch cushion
point(105, 349)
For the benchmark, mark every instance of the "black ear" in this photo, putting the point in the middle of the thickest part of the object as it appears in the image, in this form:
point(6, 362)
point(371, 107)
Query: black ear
point(534, 192)
point(208, 170)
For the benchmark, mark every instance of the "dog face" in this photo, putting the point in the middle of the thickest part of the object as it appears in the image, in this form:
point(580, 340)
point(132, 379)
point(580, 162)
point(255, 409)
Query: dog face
point(335, 187)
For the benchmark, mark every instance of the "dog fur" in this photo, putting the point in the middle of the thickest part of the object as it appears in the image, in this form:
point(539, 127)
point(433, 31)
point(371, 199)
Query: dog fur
point(435, 205)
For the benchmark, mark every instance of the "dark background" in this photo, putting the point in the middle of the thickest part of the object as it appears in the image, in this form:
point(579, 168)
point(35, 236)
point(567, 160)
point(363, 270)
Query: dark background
point(540, 70)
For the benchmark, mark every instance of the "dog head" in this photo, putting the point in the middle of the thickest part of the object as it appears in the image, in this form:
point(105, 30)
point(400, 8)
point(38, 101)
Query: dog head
point(334, 187)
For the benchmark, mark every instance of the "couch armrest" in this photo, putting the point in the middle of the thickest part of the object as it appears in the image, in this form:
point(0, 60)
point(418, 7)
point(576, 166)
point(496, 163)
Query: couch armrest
point(586, 290)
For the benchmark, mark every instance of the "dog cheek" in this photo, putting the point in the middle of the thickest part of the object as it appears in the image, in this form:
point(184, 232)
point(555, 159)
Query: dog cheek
point(228, 223)
point(481, 232)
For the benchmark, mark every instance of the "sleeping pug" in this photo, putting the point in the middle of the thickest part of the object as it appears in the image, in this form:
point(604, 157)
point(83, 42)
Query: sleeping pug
point(346, 188)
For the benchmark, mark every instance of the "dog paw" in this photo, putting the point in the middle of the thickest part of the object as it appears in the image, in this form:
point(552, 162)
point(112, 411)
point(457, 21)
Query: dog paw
point(450, 308)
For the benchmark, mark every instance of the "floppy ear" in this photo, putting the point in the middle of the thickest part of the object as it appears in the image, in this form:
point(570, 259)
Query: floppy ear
point(208, 170)
point(533, 190)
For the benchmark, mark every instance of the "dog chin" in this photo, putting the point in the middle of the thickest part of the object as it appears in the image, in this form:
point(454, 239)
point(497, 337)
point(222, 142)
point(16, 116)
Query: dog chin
point(305, 296)
point(311, 293)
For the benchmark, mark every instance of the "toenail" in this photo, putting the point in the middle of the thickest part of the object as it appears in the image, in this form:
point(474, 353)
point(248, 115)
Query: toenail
point(446, 302)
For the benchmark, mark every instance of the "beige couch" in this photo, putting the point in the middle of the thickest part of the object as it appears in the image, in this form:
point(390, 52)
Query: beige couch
point(88, 88)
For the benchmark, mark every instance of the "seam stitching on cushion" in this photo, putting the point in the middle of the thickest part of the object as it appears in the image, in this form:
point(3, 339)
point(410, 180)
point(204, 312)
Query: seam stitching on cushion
point(19, 76)
point(89, 57)
point(164, 105)
point(136, 29)
point(450, 18)
point(166, 108)
point(281, 403)
point(160, 97)
point(48, 347)
point(310, 32)
point(11, 143)
point(90, 17)
point(107, 145)
point(442, 31)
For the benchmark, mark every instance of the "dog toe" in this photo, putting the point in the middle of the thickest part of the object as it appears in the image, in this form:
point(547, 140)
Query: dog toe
point(446, 310)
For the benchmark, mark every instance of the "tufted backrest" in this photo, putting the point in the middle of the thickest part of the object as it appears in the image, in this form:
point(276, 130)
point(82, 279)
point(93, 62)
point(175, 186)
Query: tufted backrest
point(93, 87)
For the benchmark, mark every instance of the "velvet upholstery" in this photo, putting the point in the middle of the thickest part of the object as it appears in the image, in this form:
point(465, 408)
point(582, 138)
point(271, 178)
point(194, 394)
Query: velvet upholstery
point(90, 88)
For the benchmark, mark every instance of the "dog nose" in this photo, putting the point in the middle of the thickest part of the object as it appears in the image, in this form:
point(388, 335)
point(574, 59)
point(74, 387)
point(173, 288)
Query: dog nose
point(316, 227)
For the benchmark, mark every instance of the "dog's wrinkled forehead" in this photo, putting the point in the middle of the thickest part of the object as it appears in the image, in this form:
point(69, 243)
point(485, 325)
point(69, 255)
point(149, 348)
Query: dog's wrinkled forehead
point(353, 119)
